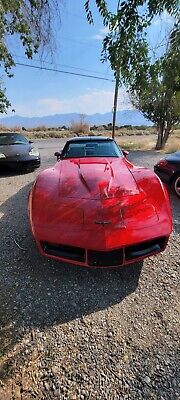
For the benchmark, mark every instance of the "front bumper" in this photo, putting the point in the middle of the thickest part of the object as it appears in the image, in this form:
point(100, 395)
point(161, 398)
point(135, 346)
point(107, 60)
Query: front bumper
point(21, 162)
point(94, 258)
point(70, 231)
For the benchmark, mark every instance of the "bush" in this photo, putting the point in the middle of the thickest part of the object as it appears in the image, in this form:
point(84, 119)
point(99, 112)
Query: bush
point(3, 128)
point(16, 128)
point(40, 128)
point(141, 127)
point(93, 128)
point(80, 127)
point(127, 127)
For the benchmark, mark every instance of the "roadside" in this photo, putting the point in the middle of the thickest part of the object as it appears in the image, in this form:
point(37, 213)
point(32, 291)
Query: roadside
point(131, 138)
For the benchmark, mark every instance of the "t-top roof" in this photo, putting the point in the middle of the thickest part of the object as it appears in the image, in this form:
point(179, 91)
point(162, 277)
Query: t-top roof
point(89, 138)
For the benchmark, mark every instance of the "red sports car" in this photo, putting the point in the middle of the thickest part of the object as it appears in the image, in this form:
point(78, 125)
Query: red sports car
point(96, 209)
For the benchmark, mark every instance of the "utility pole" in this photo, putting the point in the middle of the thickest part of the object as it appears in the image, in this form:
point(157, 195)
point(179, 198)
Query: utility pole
point(115, 103)
point(116, 89)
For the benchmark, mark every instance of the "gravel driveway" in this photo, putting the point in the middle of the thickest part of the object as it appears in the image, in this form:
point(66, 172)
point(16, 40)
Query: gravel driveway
point(71, 333)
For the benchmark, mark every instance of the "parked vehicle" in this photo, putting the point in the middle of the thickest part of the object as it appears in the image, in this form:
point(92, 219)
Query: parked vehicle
point(168, 169)
point(16, 151)
point(97, 209)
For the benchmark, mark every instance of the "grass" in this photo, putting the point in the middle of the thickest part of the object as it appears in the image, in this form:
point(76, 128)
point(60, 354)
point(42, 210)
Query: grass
point(148, 143)
point(172, 145)
point(143, 144)
point(48, 134)
point(135, 132)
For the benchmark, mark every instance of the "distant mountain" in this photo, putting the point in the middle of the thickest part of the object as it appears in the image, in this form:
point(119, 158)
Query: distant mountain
point(126, 117)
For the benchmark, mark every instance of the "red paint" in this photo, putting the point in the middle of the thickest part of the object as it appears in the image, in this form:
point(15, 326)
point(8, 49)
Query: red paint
point(98, 204)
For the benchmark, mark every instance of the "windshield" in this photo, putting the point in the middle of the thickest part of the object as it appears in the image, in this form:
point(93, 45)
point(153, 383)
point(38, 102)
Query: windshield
point(101, 148)
point(12, 138)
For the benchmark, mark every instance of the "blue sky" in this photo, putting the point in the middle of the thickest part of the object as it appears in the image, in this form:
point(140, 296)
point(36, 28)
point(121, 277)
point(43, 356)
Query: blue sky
point(37, 93)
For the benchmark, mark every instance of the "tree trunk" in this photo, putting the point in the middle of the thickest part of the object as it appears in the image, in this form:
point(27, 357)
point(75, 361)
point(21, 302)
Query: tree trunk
point(160, 137)
point(166, 135)
point(163, 134)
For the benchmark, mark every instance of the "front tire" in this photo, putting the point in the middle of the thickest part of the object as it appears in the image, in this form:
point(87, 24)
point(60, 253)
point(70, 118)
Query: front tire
point(176, 185)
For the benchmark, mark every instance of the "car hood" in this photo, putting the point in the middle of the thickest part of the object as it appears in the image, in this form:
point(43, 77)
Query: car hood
point(96, 178)
point(14, 150)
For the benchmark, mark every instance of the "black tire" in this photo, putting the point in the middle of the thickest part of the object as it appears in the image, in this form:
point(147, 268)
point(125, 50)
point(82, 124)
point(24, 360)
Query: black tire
point(176, 184)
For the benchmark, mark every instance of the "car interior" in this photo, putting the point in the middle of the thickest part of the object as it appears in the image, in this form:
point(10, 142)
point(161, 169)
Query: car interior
point(101, 149)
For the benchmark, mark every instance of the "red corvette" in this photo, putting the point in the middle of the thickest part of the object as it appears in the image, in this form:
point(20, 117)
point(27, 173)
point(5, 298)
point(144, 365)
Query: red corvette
point(96, 209)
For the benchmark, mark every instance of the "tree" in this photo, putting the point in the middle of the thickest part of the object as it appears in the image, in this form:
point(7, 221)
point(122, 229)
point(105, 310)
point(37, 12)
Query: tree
point(160, 104)
point(80, 126)
point(159, 96)
point(126, 46)
point(31, 22)
point(4, 103)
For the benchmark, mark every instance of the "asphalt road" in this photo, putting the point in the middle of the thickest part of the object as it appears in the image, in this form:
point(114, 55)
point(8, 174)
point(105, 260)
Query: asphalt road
point(71, 333)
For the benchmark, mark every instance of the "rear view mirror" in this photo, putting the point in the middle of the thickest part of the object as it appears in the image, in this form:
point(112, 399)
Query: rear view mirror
point(58, 154)
point(125, 153)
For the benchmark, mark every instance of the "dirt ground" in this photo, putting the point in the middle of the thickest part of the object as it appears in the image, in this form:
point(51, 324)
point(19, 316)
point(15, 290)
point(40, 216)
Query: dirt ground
point(71, 333)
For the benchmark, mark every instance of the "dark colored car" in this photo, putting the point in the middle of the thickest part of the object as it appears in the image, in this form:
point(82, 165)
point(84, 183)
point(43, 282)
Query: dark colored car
point(16, 151)
point(168, 169)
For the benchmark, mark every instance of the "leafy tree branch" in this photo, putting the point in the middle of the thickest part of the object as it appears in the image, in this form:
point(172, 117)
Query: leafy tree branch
point(32, 22)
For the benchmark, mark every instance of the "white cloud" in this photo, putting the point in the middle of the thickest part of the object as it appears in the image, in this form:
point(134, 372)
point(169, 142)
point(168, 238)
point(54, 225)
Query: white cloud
point(101, 33)
point(94, 101)
point(165, 18)
point(52, 105)
point(98, 37)
point(104, 31)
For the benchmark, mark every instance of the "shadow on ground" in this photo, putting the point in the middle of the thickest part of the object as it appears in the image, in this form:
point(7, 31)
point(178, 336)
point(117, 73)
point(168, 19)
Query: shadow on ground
point(8, 172)
point(36, 292)
point(175, 207)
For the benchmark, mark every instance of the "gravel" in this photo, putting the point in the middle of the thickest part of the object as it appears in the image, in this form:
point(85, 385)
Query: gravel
point(71, 333)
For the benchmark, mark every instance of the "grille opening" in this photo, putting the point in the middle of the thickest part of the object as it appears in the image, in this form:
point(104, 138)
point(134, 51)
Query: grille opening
point(145, 248)
point(67, 252)
point(105, 258)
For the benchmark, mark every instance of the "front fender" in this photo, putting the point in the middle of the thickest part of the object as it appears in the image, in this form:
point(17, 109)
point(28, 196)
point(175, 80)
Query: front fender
point(155, 190)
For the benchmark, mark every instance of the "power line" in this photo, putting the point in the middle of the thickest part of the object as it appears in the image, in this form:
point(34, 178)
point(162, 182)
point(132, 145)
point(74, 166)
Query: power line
point(64, 66)
point(64, 72)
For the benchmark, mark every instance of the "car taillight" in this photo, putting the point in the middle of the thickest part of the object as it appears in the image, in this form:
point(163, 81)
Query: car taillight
point(162, 163)
point(167, 165)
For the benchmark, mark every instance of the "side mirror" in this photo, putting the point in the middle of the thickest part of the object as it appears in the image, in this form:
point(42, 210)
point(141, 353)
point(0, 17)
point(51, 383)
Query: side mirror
point(58, 155)
point(125, 153)
point(31, 141)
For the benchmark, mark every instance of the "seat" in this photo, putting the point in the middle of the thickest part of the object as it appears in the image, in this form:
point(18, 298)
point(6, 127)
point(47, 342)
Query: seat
point(76, 152)
point(104, 151)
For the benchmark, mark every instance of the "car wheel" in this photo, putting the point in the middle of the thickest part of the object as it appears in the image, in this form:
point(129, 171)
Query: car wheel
point(176, 184)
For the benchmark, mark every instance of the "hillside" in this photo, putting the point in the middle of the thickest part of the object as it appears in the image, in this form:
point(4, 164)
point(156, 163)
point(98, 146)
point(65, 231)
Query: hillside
point(126, 117)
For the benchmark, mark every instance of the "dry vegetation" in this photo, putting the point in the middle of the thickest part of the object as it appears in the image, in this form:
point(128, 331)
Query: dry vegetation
point(143, 144)
point(130, 138)
point(173, 145)
point(80, 127)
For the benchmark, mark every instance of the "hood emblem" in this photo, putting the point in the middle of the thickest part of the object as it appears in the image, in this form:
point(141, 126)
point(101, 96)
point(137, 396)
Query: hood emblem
point(103, 222)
